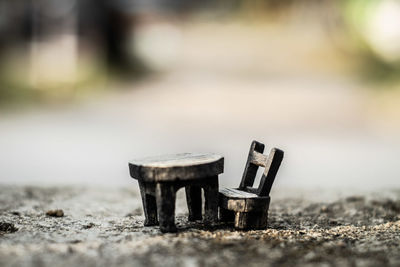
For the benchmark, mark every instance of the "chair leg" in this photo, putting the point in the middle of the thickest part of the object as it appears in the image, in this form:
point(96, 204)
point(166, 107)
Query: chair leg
point(226, 215)
point(149, 206)
point(193, 199)
point(211, 195)
point(251, 220)
point(165, 197)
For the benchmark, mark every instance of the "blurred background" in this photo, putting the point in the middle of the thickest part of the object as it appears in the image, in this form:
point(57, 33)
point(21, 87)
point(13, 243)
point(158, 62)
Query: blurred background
point(87, 85)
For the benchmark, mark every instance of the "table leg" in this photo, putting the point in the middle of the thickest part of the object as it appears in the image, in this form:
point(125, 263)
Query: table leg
point(149, 204)
point(193, 199)
point(165, 197)
point(211, 200)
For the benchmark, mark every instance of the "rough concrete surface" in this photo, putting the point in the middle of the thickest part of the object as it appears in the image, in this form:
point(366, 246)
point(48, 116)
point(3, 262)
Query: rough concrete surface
point(104, 227)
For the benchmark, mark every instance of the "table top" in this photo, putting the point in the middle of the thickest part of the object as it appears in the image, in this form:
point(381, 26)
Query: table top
point(184, 166)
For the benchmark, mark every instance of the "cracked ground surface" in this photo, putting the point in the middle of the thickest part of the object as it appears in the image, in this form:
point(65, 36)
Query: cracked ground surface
point(104, 227)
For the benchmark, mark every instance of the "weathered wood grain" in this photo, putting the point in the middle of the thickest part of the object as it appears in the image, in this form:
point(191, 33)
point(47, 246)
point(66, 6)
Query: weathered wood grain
point(149, 203)
point(271, 169)
point(193, 199)
point(161, 177)
point(241, 201)
point(251, 220)
point(165, 196)
point(211, 200)
point(250, 170)
point(237, 194)
point(185, 166)
point(247, 206)
point(176, 160)
point(258, 159)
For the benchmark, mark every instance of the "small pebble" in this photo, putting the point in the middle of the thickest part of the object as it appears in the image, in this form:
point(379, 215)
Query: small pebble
point(7, 227)
point(88, 226)
point(55, 213)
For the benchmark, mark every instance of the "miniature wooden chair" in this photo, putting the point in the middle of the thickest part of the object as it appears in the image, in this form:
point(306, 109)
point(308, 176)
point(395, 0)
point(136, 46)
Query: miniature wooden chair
point(246, 206)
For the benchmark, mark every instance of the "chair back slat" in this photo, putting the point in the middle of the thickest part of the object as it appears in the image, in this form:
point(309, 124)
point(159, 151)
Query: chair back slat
point(271, 169)
point(257, 159)
point(250, 171)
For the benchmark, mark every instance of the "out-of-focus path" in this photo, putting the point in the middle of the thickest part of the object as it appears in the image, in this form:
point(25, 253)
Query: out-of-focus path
point(230, 84)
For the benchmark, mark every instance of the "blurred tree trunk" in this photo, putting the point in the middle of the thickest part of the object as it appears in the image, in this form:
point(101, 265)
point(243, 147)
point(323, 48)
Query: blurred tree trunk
point(106, 26)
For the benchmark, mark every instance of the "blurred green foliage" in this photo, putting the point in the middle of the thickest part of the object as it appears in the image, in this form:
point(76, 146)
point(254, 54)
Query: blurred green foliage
point(358, 15)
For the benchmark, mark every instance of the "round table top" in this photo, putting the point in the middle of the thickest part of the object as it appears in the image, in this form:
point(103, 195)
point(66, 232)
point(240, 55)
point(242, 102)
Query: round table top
point(184, 166)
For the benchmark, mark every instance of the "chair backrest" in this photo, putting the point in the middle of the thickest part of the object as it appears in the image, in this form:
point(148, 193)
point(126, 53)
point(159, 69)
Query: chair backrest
point(255, 160)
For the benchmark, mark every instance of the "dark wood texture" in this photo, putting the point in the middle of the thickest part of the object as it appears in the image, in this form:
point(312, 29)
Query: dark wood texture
point(166, 195)
point(238, 200)
point(211, 200)
point(246, 206)
point(161, 177)
point(185, 166)
point(193, 199)
point(149, 203)
point(250, 170)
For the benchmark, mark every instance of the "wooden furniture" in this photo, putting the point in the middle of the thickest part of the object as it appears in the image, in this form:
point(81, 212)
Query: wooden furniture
point(246, 206)
point(160, 178)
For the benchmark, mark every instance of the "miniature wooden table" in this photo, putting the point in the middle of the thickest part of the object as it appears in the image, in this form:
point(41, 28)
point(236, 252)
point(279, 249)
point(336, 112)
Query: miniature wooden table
point(162, 176)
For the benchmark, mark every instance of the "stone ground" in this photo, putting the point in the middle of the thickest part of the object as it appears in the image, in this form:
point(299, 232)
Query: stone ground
point(103, 227)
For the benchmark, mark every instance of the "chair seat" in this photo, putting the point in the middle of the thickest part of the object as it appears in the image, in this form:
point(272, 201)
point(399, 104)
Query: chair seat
point(242, 201)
